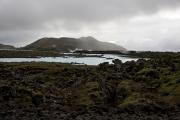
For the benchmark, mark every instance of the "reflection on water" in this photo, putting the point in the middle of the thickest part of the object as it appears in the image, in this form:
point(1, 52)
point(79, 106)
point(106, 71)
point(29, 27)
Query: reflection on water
point(70, 59)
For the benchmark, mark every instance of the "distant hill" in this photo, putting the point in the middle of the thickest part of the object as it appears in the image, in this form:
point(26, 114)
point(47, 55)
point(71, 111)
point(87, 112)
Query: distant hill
point(66, 44)
point(6, 47)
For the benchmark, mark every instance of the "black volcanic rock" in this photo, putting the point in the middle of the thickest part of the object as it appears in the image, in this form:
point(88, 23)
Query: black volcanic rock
point(66, 44)
point(2, 46)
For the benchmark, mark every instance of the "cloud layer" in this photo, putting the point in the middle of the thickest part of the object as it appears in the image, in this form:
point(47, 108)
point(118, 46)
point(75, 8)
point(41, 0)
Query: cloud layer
point(135, 24)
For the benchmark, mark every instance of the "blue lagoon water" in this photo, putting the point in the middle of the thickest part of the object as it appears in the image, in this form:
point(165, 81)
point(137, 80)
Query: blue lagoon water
point(89, 60)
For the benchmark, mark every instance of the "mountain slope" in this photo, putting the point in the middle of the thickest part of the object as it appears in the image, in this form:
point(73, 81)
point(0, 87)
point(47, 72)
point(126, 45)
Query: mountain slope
point(65, 44)
point(93, 44)
point(3, 47)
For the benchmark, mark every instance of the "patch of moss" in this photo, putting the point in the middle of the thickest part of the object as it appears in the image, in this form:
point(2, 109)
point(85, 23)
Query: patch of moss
point(88, 94)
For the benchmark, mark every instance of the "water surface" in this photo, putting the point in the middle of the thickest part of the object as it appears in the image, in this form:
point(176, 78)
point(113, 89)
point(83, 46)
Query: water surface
point(72, 59)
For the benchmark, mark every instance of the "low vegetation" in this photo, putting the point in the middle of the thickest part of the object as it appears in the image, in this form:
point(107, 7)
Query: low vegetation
point(148, 88)
point(37, 54)
point(27, 54)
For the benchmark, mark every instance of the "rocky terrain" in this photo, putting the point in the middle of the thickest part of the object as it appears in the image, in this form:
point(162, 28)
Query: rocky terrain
point(141, 90)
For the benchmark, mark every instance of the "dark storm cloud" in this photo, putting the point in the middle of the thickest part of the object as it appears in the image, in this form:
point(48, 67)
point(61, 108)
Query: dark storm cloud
point(19, 18)
point(33, 14)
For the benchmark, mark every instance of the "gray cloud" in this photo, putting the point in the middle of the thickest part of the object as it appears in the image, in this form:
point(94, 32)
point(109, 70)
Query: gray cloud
point(24, 14)
point(22, 21)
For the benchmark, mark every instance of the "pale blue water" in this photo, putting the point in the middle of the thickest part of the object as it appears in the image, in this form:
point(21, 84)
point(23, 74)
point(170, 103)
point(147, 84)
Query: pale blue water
point(68, 59)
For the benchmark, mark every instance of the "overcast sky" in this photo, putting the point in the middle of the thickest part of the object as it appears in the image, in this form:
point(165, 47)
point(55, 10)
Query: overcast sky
point(134, 24)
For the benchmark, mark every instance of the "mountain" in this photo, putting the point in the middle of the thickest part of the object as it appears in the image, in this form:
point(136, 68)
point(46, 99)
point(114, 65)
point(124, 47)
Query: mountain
point(5, 47)
point(66, 44)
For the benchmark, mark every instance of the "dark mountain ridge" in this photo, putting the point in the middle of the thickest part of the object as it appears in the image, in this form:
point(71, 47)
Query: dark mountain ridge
point(5, 47)
point(66, 44)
